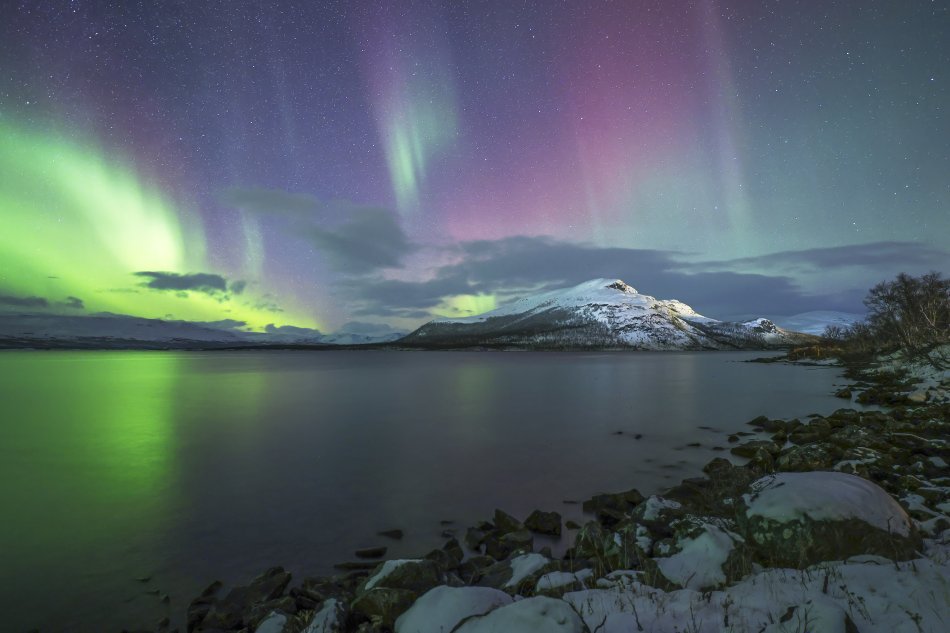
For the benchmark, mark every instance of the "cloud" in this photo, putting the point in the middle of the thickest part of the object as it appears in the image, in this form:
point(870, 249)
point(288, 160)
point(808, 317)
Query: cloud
point(23, 302)
point(73, 303)
point(887, 256)
point(237, 287)
point(367, 240)
point(362, 327)
point(522, 265)
point(270, 201)
point(223, 324)
point(355, 239)
point(40, 303)
point(292, 330)
point(266, 303)
point(207, 283)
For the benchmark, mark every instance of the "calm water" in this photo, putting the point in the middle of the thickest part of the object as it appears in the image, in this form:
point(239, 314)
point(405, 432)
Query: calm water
point(188, 467)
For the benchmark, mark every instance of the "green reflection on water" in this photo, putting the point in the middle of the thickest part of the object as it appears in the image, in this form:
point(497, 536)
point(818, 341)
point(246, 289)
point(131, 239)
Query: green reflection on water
point(86, 440)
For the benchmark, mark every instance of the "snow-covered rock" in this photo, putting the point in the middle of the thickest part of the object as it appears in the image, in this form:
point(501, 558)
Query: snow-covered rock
point(698, 564)
point(331, 618)
point(527, 616)
point(443, 608)
point(825, 496)
point(600, 313)
point(800, 518)
point(523, 566)
point(273, 623)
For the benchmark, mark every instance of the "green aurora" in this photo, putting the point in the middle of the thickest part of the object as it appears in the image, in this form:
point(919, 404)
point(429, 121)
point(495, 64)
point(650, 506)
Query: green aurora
point(76, 223)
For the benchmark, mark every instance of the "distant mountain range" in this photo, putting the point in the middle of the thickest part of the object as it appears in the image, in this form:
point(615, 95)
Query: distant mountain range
point(115, 331)
point(816, 321)
point(600, 314)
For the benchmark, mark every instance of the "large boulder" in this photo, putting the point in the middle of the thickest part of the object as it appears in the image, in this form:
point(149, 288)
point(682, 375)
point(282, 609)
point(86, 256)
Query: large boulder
point(331, 618)
point(242, 604)
point(416, 574)
point(612, 508)
point(510, 575)
point(797, 519)
point(442, 608)
point(383, 605)
point(505, 545)
point(544, 523)
point(393, 587)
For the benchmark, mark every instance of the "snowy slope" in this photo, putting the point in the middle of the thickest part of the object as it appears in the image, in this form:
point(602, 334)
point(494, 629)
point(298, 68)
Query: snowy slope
point(600, 313)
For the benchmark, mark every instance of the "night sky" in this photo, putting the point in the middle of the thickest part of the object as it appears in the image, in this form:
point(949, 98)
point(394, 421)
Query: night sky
point(319, 163)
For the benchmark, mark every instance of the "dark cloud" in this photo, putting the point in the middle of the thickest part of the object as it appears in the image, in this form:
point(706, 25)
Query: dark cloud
point(271, 201)
point(23, 302)
point(355, 239)
point(367, 240)
point(40, 303)
point(522, 265)
point(886, 256)
point(207, 283)
point(73, 303)
point(268, 303)
point(222, 324)
point(361, 327)
point(292, 330)
point(237, 287)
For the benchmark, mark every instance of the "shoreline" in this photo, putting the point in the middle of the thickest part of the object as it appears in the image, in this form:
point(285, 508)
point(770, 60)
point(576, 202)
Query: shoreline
point(632, 544)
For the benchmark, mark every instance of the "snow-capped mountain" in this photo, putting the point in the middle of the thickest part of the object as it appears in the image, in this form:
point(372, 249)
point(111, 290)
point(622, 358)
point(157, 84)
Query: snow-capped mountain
point(602, 313)
point(816, 321)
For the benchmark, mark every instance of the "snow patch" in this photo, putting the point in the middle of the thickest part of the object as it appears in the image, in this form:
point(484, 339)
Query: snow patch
point(527, 616)
point(655, 504)
point(329, 619)
point(523, 566)
point(388, 567)
point(698, 564)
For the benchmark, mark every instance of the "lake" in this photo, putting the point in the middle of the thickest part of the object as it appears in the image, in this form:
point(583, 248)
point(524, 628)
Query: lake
point(185, 467)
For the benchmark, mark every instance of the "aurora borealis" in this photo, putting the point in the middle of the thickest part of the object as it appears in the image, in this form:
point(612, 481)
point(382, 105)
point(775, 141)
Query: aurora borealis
point(313, 164)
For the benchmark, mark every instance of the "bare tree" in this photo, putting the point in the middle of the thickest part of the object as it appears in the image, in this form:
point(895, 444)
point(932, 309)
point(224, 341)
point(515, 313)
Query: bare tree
point(912, 313)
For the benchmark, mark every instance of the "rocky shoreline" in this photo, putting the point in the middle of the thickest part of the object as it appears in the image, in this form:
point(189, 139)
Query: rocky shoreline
point(834, 523)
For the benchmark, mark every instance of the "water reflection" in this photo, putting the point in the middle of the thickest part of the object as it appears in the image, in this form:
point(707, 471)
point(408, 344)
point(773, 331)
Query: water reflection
point(88, 458)
point(187, 467)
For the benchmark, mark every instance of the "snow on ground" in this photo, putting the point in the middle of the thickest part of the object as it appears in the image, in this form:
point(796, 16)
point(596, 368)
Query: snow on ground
point(930, 374)
point(821, 496)
point(877, 595)
point(870, 592)
point(698, 565)
point(558, 579)
point(654, 505)
point(532, 614)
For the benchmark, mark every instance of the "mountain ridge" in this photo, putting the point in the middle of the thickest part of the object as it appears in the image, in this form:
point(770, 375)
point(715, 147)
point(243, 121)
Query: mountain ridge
point(600, 314)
